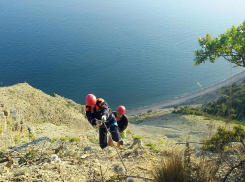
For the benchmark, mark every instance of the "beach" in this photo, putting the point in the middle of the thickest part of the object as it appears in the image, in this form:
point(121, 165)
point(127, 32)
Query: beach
point(198, 97)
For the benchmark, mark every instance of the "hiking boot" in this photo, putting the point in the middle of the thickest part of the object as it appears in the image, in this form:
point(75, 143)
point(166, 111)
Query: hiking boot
point(121, 142)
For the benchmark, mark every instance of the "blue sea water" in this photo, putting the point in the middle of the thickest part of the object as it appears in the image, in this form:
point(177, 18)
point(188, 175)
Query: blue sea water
point(131, 53)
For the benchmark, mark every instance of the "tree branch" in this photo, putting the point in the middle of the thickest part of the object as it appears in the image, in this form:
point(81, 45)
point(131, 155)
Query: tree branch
point(234, 167)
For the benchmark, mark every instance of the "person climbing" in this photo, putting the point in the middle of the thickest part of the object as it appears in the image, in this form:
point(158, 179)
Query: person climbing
point(99, 114)
point(122, 121)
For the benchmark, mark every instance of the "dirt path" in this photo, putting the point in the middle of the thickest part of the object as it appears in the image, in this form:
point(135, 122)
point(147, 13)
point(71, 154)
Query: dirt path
point(176, 127)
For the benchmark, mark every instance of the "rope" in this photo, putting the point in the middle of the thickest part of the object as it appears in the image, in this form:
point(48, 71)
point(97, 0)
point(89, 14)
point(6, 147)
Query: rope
point(116, 149)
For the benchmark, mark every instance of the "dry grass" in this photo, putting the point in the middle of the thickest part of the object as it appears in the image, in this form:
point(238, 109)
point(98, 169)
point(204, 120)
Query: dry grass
point(183, 168)
point(171, 169)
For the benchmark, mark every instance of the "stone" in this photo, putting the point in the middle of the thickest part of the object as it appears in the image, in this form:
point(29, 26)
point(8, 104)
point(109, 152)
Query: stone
point(87, 148)
point(31, 129)
point(3, 123)
point(22, 121)
point(17, 115)
point(6, 112)
point(17, 126)
point(23, 128)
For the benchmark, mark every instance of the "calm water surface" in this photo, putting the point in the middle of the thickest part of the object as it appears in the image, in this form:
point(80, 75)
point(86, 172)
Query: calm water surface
point(128, 52)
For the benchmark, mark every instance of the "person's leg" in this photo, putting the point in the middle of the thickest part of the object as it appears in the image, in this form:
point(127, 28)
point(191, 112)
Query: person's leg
point(115, 133)
point(110, 142)
point(123, 135)
point(103, 138)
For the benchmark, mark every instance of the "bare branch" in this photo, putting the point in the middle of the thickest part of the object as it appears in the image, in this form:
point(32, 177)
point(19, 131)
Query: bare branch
point(234, 167)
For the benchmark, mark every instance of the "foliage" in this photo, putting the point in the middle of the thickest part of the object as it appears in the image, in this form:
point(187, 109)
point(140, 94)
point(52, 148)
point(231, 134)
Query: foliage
point(17, 139)
point(149, 111)
point(137, 137)
point(32, 136)
point(75, 139)
point(9, 120)
point(129, 132)
point(223, 137)
point(66, 138)
point(28, 156)
point(83, 110)
point(230, 104)
point(151, 146)
point(189, 110)
point(54, 139)
point(230, 46)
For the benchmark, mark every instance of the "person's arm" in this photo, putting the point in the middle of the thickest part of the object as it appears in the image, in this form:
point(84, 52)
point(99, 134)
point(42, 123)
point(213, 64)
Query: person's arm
point(105, 110)
point(125, 123)
point(89, 115)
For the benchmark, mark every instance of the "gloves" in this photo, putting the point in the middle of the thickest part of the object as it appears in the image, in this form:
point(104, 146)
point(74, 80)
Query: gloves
point(94, 122)
point(103, 118)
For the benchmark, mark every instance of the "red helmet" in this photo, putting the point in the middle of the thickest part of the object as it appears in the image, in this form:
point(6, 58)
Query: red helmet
point(90, 99)
point(121, 109)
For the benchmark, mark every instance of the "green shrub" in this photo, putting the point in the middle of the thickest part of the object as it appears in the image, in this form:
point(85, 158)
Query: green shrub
point(223, 137)
point(151, 146)
point(17, 139)
point(230, 103)
point(75, 139)
point(129, 132)
point(137, 137)
point(31, 136)
point(66, 138)
point(54, 139)
point(28, 156)
point(9, 120)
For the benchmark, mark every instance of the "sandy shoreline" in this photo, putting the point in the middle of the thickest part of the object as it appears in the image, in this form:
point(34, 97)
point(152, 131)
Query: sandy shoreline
point(181, 100)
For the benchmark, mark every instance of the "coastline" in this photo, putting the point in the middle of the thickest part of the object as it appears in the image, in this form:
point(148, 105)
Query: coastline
point(186, 99)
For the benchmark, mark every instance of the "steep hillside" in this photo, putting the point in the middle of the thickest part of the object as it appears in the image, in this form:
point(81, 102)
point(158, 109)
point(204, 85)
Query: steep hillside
point(36, 106)
point(34, 126)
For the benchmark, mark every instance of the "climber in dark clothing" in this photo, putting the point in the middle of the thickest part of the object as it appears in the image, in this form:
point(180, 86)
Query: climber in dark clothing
point(99, 114)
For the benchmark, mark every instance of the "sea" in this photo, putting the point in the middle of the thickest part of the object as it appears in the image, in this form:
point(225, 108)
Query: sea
point(131, 52)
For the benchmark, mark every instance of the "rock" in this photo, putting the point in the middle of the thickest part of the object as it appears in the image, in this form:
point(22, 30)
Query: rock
point(34, 142)
point(6, 112)
point(84, 156)
point(17, 115)
point(3, 123)
point(31, 129)
point(10, 163)
point(22, 121)
point(17, 126)
point(23, 128)
point(87, 149)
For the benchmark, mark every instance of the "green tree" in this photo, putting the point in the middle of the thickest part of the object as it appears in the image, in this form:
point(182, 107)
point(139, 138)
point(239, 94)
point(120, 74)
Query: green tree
point(230, 46)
